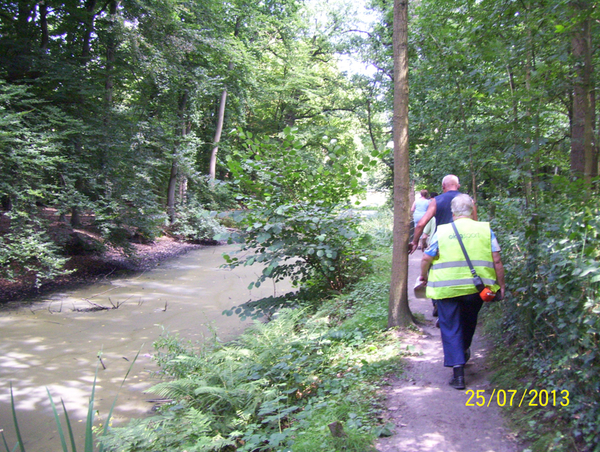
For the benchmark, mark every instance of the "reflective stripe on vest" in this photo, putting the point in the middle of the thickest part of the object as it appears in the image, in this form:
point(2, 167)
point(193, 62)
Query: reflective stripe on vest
point(450, 275)
point(463, 264)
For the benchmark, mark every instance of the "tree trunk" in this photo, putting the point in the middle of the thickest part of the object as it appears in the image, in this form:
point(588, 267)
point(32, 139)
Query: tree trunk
point(582, 151)
point(596, 141)
point(173, 177)
point(220, 120)
point(399, 312)
point(75, 217)
point(530, 131)
point(88, 29)
point(171, 189)
point(43, 7)
point(111, 50)
point(212, 169)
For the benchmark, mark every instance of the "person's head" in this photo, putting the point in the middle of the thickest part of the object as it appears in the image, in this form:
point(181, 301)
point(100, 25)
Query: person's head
point(462, 206)
point(450, 182)
point(424, 194)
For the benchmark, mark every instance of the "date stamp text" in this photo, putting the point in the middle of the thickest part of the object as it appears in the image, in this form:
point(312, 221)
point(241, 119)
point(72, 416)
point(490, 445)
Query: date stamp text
point(512, 397)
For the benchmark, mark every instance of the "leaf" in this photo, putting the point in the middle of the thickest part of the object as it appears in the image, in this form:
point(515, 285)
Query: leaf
point(263, 237)
point(587, 271)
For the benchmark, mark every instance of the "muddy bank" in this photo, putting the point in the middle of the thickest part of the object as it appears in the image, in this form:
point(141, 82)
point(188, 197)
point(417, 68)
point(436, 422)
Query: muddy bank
point(89, 269)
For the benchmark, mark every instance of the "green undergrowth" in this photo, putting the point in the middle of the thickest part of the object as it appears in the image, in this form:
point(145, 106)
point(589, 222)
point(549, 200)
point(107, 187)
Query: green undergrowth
point(280, 385)
point(547, 330)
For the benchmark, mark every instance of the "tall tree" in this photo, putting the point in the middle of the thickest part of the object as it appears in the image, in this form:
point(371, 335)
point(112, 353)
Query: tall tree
point(212, 167)
point(399, 312)
point(583, 159)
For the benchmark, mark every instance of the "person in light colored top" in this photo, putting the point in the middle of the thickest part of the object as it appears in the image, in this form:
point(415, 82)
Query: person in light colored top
point(420, 206)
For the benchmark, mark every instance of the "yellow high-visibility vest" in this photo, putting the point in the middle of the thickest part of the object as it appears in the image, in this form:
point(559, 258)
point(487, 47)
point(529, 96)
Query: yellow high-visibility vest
point(449, 275)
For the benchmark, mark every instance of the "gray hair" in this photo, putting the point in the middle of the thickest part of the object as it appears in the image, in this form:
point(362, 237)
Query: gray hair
point(462, 206)
point(450, 181)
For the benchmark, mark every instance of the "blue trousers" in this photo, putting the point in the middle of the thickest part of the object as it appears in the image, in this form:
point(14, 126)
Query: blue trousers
point(458, 320)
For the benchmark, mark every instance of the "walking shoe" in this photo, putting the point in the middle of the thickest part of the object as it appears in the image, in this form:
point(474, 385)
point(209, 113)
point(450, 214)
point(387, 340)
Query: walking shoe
point(458, 379)
point(458, 382)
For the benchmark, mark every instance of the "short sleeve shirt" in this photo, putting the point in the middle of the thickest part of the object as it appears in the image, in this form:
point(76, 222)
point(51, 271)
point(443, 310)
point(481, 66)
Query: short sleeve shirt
point(433, 248)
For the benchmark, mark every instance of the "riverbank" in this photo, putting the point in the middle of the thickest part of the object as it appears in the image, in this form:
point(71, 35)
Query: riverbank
point(336, 377)
point(91, 268)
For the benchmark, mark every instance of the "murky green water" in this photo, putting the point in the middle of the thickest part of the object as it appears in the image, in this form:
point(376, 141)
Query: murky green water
point(53, 343)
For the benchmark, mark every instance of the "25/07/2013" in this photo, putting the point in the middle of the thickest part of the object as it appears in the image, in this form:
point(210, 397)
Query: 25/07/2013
point(531, 397)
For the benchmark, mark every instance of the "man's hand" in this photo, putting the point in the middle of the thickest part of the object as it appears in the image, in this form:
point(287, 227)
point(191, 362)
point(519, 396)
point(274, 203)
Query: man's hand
point(412, 247)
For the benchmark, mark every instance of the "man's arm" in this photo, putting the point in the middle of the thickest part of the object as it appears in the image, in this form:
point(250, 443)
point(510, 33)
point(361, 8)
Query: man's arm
point(431, 210)
point(499, 271)
point(426, 261)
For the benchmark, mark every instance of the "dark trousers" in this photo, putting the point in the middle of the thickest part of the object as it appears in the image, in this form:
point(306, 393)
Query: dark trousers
point(458, 320)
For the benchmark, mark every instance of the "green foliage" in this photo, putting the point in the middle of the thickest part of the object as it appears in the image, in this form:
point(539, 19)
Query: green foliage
point(27, 251)
point(304, 242)
point(299, 224)
point(195, 224)
point(550, 321)
point(31, 141)
point(214, 195)
point(379, 226)
point(278, 386)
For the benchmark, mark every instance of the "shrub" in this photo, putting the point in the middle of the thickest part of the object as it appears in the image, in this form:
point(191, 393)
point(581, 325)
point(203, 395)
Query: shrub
point(304, 242)
point(550, 320)
point(195, 224)
point(299, 224)
point(28, 251)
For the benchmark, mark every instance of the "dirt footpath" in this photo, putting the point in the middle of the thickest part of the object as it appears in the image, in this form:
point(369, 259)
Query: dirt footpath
point(429, 414)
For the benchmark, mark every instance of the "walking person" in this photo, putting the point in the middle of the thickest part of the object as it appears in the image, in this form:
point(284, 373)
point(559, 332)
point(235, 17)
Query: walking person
point(446, 271)
point(420, 206)
point(439, 207)
point(438, 213)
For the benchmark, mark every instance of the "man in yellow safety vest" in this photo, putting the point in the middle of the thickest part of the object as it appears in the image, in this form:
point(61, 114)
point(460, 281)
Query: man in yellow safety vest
point(450, 283)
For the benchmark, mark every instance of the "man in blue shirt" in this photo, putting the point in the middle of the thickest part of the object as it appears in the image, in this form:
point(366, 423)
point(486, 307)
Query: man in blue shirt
point(439, 207)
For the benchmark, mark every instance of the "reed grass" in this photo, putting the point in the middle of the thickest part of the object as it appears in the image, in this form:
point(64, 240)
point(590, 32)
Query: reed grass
point(88, 445)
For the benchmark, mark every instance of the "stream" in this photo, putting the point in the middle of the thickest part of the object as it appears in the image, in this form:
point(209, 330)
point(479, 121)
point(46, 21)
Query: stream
point(52, 343)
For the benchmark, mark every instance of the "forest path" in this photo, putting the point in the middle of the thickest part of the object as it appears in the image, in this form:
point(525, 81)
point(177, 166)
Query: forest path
point(430, 415)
